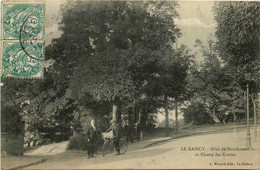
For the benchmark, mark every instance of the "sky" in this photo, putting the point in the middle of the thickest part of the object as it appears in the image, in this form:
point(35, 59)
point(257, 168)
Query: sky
point(196, 21)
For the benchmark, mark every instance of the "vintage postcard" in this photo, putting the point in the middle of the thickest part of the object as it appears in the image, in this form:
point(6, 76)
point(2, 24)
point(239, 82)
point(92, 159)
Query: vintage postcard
point(90, 84)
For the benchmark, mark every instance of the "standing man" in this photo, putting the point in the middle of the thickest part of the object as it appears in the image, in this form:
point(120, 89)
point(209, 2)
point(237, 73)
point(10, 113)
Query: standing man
point(92, 138)
point(128, 131)
point(117, 131)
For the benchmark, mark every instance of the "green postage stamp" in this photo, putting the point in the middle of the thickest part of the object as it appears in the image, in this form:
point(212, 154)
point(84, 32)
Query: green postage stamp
point(22, 39)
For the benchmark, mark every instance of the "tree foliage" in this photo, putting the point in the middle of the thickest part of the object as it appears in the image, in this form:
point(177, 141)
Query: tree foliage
point(114, 55)
point(213, 85)
point(238, 45)
point(238, 25)
point(197, 114)
point(123, 41)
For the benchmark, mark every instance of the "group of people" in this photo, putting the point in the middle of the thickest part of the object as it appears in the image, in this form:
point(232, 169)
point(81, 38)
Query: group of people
point(92, 135)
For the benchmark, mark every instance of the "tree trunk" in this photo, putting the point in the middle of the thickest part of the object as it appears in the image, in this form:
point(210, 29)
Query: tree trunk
point(166, 115)
point(176, 115)
point(245, 104)
point(118, 113)
point(234, 117)
point(212, 114)
point(135, 118)
point(255, 116)
point(141, 137)
point(114, 111)
point(255, 120)
point(214, 117)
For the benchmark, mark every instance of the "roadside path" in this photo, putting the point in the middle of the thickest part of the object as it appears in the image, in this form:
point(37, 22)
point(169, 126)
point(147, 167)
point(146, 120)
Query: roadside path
point(175, 153)
point(56, 152)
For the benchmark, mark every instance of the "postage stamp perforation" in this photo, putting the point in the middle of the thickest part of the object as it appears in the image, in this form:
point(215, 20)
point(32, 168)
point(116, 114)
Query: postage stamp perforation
point(24, 1)
point(16, 77)
point(15, 40)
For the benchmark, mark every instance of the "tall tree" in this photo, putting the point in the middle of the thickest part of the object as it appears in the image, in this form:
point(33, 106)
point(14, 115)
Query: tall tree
point(119, 35)
point(238, 40)
point(214, 86)
point(238, 25)
point(171, 80)
point(111, 57)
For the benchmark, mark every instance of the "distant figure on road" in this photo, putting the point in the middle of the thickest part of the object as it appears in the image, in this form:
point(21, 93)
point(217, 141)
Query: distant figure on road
point(92, 138)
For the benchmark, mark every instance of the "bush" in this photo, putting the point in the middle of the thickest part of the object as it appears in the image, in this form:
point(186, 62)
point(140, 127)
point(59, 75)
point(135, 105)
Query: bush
point(78, 142)
point(197, 113)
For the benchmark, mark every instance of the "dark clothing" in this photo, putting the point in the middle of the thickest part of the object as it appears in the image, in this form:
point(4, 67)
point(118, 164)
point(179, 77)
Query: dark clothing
point(128, 133)
point(117, 131)
point(92, 138)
